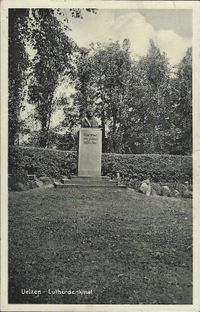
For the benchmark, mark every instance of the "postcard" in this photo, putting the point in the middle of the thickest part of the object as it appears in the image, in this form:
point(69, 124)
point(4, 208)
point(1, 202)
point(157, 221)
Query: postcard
point(100, 155)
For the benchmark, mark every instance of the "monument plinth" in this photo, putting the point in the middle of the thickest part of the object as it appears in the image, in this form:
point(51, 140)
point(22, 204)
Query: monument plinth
point(89, 152)
point(89, 161)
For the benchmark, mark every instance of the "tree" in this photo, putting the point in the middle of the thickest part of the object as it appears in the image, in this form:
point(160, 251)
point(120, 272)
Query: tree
point(84, 97)
point(53, 59)
point(143, 105)
point(156, 69)
point(17, 69)
point(111, 64)
point(39, 28)
point(182, 109)
point(127, 96)
point(135, 116)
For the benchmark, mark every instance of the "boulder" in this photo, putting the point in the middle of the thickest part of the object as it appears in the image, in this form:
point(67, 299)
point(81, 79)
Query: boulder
point(166, 191)
point(145, 187)
point(153, 192)
point(41, 184)
point(20, 187)
point(156, 189)
point(187, 194)
point(176, 194)
point(185, 190)
point(118, 177)
point(35, 184)
point(45, 180)
point(38, 183)
point(131, 183)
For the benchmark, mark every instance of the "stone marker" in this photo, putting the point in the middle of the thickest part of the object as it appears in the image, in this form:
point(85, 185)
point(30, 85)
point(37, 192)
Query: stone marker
point(89, 152)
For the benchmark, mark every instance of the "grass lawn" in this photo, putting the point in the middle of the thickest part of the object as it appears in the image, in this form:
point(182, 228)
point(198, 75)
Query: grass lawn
point(125, 247)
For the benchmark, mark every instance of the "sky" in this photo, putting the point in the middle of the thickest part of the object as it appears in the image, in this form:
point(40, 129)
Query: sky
point(170, 29)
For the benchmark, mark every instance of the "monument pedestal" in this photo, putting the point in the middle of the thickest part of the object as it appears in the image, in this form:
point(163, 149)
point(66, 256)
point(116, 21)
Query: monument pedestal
point(89, 163)
point(89, 152)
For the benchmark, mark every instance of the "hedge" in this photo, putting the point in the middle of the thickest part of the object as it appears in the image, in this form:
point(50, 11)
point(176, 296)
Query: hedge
point(42, 162)
point(55, 163)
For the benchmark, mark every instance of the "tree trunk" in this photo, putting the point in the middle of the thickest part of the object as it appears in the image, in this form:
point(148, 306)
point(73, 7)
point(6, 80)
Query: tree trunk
point(113, 146)
point(103, 133)
point(47, 131)
point(43, 135)
point(43, 138)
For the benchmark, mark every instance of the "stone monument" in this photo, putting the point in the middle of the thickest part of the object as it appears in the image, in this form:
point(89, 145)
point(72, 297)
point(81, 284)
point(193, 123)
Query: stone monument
point(89, 158)
point(90, 147)
point(89, 152)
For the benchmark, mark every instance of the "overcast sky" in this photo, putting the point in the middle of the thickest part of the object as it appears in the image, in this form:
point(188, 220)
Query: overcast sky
point(170, 29)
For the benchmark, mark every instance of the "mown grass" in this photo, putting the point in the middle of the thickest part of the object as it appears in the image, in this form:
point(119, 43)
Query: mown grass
point(126, 247)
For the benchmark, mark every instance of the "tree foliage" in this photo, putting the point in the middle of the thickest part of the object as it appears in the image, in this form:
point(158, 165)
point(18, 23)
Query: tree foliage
point(53, 50)
point(54, 53)
point(18, 63)
point(143, 106)
point(100, 87)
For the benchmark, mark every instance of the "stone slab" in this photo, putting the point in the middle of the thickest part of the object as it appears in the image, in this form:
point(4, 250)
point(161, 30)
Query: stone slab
point(91, 178)
point(92, 184)
point(89, 153)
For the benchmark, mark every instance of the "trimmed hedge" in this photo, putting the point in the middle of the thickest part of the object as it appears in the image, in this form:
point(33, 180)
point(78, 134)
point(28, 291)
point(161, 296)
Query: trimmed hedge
point(54, 163)
point(42, 162)
point(160, 168)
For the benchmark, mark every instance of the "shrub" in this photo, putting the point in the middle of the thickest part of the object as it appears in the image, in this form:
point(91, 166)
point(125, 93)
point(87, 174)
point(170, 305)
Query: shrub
point(42, 162)
point(132, 168)
point(165, 168)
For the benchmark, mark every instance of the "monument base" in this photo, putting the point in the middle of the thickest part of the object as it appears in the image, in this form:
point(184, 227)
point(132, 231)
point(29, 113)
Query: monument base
point(89, 163)
point(84, 181)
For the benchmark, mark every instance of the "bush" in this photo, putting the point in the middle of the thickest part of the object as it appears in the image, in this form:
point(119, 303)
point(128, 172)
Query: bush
point(42, 162)
point(132, 168)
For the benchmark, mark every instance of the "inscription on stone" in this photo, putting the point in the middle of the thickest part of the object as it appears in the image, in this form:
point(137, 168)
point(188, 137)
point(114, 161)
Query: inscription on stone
point(90, 138)
point(89, 155)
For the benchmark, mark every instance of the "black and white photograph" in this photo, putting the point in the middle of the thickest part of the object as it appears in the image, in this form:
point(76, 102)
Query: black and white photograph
point(99, 144)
